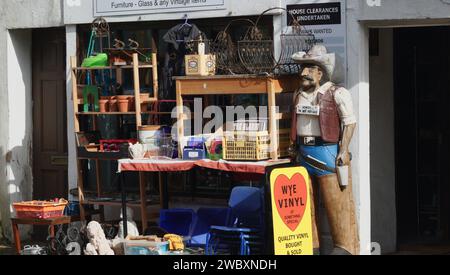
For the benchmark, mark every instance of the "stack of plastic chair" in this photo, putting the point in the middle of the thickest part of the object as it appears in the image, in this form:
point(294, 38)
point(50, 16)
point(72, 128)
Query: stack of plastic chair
point(178, 221)
point(245, 230)
point(207, 217)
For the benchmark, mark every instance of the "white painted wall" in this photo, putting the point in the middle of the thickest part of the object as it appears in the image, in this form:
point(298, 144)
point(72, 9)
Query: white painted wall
point(15, 96)
point(358, 84)
point(71, 42)
point(403, 9)
point(3, 116)
point(382, 146)
point(32, 13)
point(19, 149)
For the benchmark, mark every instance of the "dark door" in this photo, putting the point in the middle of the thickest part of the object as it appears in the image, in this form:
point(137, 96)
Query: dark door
point(422, 97)
point(49, 112)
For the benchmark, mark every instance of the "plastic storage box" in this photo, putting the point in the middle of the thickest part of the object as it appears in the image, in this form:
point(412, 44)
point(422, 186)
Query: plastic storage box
point(145, 248)
point(40, 209)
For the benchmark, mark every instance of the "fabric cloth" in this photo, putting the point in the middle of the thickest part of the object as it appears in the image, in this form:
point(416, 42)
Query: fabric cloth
point(176, 39)
point(180, 34)
point(325, 155)
point(147, 165)
point(309, 125)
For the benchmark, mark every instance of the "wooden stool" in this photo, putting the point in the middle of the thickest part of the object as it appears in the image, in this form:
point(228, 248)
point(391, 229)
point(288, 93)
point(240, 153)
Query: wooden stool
point(46, 222)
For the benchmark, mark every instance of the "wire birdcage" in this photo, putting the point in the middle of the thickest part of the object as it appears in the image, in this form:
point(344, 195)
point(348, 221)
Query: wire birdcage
point(256, 50)
point(226, 50)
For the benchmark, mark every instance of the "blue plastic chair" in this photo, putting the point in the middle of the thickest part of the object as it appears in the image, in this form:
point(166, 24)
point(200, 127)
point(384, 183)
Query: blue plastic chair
point(207, 217)
point(178, 221)
point(245, 230)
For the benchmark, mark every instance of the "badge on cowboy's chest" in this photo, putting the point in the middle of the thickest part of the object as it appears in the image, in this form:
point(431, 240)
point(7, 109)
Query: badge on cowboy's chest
point(308, 110)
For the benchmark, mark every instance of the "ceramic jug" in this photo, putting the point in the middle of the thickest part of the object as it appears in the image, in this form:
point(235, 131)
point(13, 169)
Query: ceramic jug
point(137, 151)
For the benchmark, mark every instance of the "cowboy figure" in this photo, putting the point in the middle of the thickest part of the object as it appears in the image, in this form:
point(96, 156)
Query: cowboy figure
point(323, 123)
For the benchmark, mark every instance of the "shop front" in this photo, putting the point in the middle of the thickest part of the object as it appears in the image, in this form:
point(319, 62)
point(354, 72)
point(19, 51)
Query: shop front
point(150, 83)
point(167, 92)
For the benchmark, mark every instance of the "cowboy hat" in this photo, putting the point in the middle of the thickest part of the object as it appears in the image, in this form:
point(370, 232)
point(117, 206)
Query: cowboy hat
point(318, 55)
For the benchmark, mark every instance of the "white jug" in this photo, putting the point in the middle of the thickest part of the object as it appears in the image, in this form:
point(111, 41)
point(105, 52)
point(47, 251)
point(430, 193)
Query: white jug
point(137, 151)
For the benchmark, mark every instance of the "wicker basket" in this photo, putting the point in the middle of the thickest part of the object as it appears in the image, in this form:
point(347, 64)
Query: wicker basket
point(253, 146)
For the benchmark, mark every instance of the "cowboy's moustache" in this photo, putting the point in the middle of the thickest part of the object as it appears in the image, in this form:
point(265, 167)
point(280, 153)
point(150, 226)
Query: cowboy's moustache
point(307, 78)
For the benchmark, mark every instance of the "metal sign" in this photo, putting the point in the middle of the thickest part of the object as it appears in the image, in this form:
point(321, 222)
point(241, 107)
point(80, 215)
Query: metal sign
point(132, 7)
point(316, 14)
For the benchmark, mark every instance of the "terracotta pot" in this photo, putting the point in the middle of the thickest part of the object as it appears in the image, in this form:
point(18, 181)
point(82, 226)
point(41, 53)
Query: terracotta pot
point(131, 104)
point(145, 97)
point(113, 105)
point(104, 105)
point(122, 97)
point(123, 105)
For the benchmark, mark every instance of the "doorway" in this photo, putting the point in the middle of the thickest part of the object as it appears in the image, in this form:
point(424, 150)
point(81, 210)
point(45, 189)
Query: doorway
point(50, 164)
point(422, 134)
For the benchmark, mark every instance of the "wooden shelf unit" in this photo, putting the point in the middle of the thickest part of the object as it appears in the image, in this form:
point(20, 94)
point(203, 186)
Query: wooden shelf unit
point(136, 67)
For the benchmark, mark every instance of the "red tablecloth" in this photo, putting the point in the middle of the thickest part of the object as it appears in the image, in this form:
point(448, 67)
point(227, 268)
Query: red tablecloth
point(128, 165)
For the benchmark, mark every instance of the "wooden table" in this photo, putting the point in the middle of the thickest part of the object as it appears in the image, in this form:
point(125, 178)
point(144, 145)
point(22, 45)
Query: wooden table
point(148, 165)
point(45, 222)
point(236, 85)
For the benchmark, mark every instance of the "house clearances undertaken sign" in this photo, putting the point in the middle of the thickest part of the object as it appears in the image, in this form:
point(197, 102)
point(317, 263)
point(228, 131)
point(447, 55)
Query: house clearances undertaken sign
point(325, 19)
point(131, 7)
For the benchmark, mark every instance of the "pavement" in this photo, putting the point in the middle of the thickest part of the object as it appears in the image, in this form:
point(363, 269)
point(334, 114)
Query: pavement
point(6, 249)
point(423, 250)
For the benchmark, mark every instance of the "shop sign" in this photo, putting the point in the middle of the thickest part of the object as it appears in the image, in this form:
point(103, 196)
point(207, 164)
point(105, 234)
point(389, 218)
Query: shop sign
point(291, 211)
point(132, 7)
point(316, 14)
point(326, 20)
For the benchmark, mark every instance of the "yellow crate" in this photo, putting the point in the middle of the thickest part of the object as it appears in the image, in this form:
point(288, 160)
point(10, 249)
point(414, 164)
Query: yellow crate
point(253, 146)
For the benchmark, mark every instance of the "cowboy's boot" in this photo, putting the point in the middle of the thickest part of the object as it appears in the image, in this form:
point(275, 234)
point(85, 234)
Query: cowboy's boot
point(340, 207)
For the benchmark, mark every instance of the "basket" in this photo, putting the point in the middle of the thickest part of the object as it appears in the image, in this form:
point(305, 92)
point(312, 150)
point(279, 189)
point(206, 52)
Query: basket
point(253, 146)
point(40, 209)
point(256, 50)
point(226, 50)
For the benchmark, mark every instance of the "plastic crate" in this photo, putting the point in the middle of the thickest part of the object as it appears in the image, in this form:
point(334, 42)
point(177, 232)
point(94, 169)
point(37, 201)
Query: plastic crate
point(253, 146)
point(40, 209)
point(145, 248)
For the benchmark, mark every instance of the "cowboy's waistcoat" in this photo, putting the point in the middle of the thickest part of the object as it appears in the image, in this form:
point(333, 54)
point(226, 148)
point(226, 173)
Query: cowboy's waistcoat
point(329, 119)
